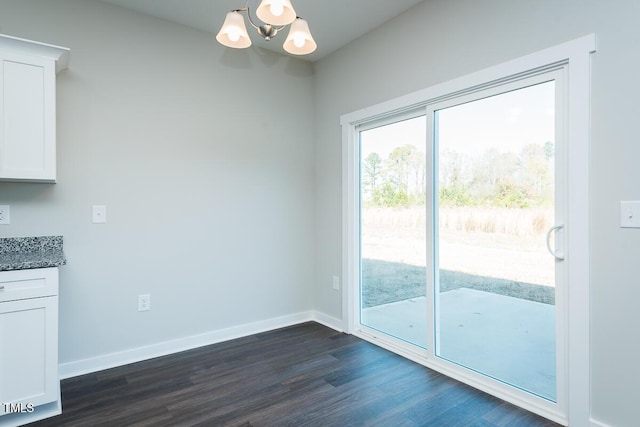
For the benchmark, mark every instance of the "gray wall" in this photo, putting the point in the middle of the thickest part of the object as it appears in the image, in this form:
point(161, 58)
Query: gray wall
point(161, 124)
point(442, 39)
point(165, 127)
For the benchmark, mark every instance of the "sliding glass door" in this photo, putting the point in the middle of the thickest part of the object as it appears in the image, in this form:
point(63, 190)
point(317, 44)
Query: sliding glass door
point(461, 224)
point(466, 228)
point(392, 229)
point(494, 278)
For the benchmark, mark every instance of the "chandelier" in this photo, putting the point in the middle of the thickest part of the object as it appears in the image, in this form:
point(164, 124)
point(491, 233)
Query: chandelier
point(275, 16)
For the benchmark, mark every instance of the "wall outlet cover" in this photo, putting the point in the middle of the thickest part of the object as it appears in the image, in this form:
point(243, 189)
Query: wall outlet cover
point(144, 302)
point(99, 214)
point(630, 214)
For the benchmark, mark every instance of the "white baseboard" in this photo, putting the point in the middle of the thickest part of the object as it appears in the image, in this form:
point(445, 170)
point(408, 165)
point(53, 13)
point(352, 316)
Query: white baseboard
point(328, 321)
point(595, 423)
point(112, 360)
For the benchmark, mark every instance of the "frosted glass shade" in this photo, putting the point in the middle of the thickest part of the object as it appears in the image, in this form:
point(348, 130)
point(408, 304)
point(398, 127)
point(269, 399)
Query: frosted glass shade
point(299, 41)
point(276, 12)
point(233, 32)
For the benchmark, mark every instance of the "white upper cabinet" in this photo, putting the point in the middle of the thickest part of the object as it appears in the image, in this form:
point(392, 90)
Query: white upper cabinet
point(28, 108)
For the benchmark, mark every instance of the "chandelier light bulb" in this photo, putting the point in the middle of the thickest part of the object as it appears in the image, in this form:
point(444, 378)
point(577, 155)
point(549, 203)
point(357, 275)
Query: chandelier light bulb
point(234, 34)
point(276, 12)
point(277, 7)
point(298, 39)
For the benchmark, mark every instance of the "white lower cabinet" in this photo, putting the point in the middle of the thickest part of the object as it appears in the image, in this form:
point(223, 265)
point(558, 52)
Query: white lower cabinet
point(29, 382)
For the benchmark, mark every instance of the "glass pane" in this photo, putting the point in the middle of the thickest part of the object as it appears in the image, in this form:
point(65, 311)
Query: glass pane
point(495, 282)
point(392, 230)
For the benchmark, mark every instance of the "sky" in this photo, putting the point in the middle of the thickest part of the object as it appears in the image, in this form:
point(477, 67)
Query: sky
point(506, 122)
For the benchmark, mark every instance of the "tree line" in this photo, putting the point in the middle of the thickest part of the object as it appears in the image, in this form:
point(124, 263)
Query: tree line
point(494, 178)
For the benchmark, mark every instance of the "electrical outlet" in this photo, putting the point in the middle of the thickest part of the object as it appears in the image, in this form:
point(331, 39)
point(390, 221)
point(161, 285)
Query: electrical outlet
point(144, 302)
point(5, 217)
point(630, 214)
point(336, 283)
point(99, 214)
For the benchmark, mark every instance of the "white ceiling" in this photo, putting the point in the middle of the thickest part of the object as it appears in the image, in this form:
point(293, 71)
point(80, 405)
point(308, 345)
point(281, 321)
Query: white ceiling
point(333, 23)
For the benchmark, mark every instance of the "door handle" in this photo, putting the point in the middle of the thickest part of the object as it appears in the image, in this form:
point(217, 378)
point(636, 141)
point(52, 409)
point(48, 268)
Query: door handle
point(556, 255)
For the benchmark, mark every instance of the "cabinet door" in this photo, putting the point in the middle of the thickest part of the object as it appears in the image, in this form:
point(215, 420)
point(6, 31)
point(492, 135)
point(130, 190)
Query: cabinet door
point(28, 352)
point(27, 118)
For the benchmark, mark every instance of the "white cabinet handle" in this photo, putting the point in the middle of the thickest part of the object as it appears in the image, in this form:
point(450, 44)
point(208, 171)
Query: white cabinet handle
point(556, 255)
point(1, 288)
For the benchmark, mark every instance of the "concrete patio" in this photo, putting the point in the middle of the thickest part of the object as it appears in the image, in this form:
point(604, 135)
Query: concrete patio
point(510, 339)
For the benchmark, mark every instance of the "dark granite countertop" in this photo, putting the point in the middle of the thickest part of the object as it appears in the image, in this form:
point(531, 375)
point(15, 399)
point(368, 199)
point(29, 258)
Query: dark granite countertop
point(22, 253)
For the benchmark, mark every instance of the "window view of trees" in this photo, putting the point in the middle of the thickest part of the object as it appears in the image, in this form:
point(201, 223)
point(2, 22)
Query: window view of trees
point(492, 179)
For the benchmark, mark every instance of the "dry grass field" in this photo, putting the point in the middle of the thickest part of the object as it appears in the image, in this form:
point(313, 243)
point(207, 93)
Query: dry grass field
point(501, 243)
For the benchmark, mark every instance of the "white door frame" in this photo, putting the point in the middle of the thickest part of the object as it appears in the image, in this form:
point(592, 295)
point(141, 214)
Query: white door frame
point(574, 56)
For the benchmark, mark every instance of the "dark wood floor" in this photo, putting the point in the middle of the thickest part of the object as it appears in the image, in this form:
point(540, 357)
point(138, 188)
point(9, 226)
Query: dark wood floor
point(304, 375)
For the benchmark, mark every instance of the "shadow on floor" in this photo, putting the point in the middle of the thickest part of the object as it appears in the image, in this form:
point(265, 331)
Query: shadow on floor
point(385, 282)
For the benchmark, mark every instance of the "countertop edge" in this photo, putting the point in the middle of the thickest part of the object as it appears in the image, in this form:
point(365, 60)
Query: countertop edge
point(25, 253)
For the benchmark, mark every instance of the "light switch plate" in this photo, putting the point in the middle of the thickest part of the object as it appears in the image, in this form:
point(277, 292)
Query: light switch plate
point(630, 214)
point(99, 214)
point(144, 302)
point(5, 217)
